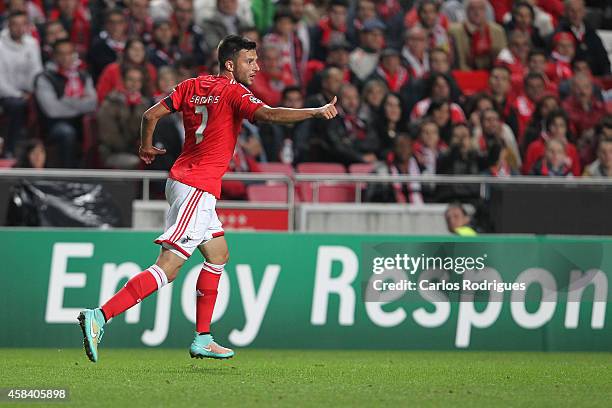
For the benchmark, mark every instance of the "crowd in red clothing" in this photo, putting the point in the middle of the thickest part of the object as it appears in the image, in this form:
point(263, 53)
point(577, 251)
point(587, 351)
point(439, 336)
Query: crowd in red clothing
point(501, 87)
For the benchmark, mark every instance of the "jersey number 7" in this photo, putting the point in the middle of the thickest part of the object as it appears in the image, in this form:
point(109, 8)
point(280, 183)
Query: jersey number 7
point(199, 133)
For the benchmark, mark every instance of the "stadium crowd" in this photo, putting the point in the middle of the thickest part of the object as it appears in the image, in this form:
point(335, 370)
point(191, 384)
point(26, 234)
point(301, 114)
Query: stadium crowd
point(426, 87)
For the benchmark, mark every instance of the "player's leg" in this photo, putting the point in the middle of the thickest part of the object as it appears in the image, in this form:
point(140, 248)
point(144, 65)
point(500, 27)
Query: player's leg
point(183, 200)
point(216, 254)
point(136, 289)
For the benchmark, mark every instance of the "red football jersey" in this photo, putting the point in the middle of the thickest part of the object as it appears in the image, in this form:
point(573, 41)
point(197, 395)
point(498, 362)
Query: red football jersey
point(213, 109)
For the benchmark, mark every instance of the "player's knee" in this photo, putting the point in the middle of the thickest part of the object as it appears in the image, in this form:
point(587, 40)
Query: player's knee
point(219, 258)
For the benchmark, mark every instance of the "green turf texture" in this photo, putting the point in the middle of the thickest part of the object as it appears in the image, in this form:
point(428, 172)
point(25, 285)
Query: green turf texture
point(296, 378)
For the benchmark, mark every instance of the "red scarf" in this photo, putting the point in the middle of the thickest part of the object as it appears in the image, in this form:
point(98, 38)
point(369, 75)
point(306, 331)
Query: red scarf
point(394, 81)
point(480, 42)
point(74, 88)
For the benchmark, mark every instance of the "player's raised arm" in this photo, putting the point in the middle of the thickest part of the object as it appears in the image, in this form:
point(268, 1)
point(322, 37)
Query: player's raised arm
point(147, 151)
point(290, 115)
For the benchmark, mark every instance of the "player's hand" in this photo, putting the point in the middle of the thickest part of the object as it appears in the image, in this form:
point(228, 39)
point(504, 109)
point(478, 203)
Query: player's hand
point(327, 111)
point(148, 153)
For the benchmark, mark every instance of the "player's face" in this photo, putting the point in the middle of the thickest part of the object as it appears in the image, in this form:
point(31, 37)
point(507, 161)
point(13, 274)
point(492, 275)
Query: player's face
point(246, 67)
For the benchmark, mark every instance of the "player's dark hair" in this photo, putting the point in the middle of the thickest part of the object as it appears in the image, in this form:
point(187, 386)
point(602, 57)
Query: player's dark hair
point(230, 46)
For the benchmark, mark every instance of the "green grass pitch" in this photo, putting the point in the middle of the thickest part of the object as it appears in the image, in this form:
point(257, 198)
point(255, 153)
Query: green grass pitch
point(296, 378)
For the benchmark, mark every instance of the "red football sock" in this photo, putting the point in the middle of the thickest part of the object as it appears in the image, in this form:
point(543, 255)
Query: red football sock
point(136, 289)
point(206, 290)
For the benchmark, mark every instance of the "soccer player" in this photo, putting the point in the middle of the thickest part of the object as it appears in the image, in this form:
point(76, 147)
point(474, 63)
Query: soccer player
point(213, 109)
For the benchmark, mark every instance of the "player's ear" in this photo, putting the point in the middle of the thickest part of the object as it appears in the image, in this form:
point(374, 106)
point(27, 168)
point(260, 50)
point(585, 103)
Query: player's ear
point(229, 65)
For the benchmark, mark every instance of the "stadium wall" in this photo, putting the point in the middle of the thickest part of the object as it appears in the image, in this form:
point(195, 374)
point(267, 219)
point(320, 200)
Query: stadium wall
point(310, 291)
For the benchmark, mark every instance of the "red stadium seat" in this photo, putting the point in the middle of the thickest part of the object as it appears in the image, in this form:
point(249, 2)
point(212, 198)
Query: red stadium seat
point(321, 168)
point(471, 82)
point(336, 194)
point(305, 190)
point(267, 193)
point(361, 168)
point(7, 163)
point(276, 168)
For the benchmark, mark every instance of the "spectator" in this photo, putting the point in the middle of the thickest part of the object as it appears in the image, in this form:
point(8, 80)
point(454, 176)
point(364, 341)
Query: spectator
point(589, 43)
point(501, 161)
point(428, 147)
point(523, 20)
point(439, 111)
point(543, 20)
point(345, 139)
point(537, 62)
point(207, 9)
point(76, 20)
point(166, 81)
point(501, 91)
point(415, 52)
point(140, 23)
point(493, 130)
point(433, 22)
point(390, 122)
point(163, 51)
point(223, 22)
point(564, 48)
point(602, 167)
point(33, 155)
point(476, 41)
point(391, 71)
point(580, 66)
point(133, 57)
point(53, 31)
point(272, 79)
point(109, 44)
point(515, 56)
point(64, 94)
point(373, 95)
point(524, 104)
point(416, 89)
point(190, 37)
point(401, 161)
point(583, 108)
point(278, 140)
point(554, 163)
point(438, 87)
point(19, 65)
point(458, 221)
point(364, 59)
point(296, 9)
point(364, 10)
point(462, 158)
point(537, 125)
point(557, 127)
point(186, 68)
point(292, 58)
point(119, 122)
point(337, 56)
point(329, 28)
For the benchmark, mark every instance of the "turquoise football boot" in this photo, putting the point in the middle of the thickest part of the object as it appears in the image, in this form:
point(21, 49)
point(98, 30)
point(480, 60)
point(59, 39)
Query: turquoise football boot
point(92, 323)
point(204, 346)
